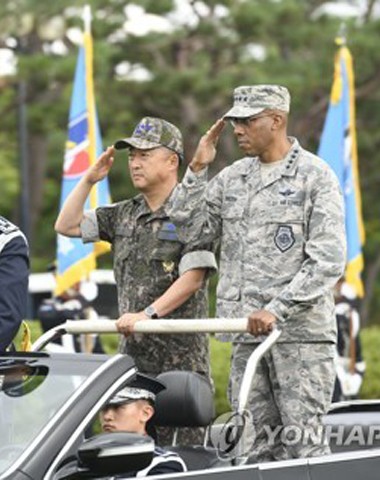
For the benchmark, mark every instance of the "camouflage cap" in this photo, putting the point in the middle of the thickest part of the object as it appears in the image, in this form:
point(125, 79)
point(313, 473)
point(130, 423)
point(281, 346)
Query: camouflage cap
point(252, 100)
point(154, 132)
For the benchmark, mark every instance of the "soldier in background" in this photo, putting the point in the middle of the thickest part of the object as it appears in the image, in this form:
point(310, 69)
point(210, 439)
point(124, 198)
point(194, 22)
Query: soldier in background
point(14, 274)
point(350, 366)
point(156, 275)
point(72, 304)
point(279, 215)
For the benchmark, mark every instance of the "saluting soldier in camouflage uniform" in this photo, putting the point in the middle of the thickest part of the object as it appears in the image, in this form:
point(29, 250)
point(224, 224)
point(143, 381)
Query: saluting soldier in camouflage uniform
point(279, 215)
point(156, 274)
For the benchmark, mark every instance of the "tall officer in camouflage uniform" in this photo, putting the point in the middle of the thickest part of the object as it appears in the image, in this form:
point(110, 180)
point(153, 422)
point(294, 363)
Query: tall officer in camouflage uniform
point(14, 273)
point(279, 214)
point(156, 274)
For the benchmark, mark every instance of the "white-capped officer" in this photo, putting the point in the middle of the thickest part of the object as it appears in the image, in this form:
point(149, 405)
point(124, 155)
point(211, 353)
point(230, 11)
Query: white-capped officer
point(131, 410)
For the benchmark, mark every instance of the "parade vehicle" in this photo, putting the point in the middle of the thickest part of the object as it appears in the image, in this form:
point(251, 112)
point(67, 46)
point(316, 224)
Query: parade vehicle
point(49, 404)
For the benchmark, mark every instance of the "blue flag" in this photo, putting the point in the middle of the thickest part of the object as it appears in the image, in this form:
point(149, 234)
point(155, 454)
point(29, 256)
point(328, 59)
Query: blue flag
point(339, 149)
point(75, 260)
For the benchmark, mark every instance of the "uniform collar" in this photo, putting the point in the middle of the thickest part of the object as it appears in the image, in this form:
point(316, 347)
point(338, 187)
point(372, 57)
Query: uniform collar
point(249, 165)
point(142, 208)
point(291, 158)
point(288, 166)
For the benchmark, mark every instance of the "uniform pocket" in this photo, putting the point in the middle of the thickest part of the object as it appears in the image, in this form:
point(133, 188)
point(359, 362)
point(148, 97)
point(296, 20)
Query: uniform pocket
point(122, 242)
point(285, 226)
point(165, 259)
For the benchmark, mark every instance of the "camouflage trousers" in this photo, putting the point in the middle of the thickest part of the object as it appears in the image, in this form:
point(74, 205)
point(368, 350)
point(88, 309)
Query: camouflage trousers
point(291, 391)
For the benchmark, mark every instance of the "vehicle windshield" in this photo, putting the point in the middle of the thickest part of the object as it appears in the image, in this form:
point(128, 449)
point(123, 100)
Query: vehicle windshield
point(32, 389)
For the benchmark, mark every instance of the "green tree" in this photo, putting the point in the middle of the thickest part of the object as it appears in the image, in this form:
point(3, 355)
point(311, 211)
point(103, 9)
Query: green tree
point(193, 65)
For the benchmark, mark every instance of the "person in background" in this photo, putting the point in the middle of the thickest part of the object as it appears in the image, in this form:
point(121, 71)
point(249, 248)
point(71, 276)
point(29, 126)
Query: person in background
point(278, 213)
point(131, 410)
point(157, 276)
point(14, 275)
point(350, 365)
point(70, 305)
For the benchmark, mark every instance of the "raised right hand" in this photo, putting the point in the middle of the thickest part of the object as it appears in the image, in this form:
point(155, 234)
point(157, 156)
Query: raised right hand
point(206, 150)
point(101, 167)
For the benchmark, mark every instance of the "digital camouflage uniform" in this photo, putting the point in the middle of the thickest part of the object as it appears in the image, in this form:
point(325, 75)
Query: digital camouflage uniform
point(148, 258)
point(282, 250)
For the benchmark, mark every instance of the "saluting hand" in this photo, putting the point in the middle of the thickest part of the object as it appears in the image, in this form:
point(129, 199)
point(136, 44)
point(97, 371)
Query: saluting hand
point(101, 167)
point(206, 150)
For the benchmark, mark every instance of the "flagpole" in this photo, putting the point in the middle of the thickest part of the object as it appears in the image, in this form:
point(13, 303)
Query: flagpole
point(94, 197)
point(90, 101)
point(87, 17)
point(340, 38)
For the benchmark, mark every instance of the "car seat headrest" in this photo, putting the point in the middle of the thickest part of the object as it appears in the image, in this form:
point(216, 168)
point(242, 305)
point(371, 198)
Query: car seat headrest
point(188, 400)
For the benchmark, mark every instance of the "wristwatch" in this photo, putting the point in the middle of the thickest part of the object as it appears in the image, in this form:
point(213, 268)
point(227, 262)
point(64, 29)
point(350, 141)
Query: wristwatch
point(151, 312)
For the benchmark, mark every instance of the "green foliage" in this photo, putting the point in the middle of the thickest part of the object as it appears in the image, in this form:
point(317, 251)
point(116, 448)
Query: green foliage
point(9, 176)
point(370, 338)
point(220, 353)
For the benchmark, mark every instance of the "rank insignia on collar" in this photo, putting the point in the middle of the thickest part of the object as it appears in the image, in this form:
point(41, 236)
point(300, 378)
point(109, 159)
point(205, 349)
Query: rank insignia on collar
point(168, 266)
point(284, 238)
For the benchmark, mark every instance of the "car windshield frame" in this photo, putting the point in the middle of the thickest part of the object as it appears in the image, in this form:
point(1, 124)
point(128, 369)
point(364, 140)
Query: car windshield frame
point(73, 375)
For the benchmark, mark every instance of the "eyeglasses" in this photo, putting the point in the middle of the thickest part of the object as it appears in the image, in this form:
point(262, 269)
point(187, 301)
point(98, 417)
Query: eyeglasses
point(245, 122)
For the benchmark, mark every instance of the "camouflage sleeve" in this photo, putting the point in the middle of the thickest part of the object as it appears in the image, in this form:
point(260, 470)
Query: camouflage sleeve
point(198, 259)
point(324, 253)
point(99, 224)
point(195, 208)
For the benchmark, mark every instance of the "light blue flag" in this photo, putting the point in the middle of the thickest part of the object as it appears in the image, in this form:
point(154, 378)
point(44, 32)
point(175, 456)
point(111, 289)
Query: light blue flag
point(338, 148)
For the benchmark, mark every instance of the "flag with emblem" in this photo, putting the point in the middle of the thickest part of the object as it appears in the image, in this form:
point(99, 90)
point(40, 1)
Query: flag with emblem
point(76, 260)
point(338, 148)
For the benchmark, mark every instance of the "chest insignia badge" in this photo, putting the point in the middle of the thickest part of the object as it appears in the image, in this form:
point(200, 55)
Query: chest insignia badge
point(284, 238)
point(168, 266)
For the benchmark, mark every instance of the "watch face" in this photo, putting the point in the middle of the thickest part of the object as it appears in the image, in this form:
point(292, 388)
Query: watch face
point(150, 312)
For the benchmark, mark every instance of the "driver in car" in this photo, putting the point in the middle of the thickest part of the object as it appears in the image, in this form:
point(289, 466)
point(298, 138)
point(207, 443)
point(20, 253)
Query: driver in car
point(131, 410)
